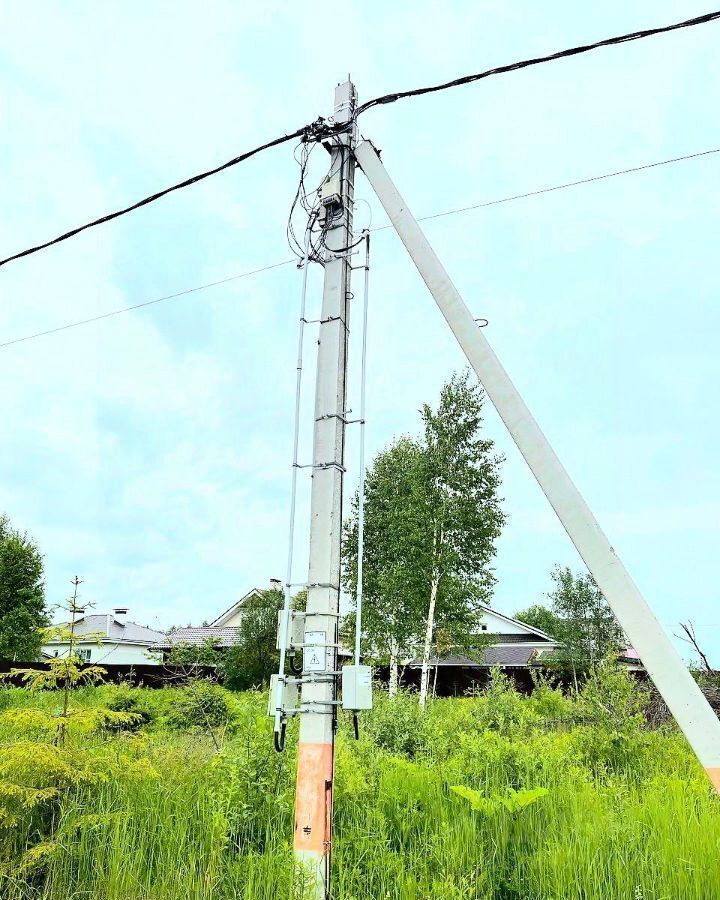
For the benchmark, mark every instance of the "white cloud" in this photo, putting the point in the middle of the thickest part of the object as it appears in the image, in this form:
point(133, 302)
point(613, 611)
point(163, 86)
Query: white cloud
point(149, 453)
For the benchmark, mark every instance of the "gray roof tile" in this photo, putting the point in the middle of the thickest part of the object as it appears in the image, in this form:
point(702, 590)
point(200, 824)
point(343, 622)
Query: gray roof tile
point(516, 655)
point(129, 631)
point(223, 635)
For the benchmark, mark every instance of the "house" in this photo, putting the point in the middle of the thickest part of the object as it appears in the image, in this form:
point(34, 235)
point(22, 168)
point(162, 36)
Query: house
point(224, 631)
point(110, 639)
point(517, 648)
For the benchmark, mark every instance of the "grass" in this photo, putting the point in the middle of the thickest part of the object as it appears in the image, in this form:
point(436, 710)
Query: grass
point(157, 813)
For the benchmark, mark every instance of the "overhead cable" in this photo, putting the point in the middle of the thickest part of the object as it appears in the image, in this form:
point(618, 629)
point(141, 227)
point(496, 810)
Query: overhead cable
point(124, 309)
point(156, 196)
point(438, 215)
point(321, 128)
point(535, 61)
point(558, 187)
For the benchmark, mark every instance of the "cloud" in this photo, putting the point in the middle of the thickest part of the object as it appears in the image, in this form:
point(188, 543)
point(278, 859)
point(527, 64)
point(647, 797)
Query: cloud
point(149, 453)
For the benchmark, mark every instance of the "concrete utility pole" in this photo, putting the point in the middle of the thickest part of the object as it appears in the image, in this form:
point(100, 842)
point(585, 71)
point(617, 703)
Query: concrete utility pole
point(314, 796)
point(662, 661)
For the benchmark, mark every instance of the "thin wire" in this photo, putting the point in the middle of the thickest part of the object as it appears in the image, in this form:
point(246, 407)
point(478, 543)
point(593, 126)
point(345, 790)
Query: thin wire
point(124, 309)
point(557, 187)
point(525, 63)
point(449, 212)
point(293, 488)
point(361, 489)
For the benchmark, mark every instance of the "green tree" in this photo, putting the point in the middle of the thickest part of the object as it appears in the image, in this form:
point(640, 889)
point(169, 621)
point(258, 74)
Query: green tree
point(458, 489)
point(580, 619)
point(255, 657)
point(394, 598)
point(23, 613)
point(539, 616)
point(66, 673)
point(432, 515)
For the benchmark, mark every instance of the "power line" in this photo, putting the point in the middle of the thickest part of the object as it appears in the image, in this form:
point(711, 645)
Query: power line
point(559, 187)
point(124, 309)
point(525, 63)
point(156, 196)
point(449, 212)
point(321, 128)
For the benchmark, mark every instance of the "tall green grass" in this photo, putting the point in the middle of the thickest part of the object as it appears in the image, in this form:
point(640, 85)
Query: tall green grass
point(158, 814)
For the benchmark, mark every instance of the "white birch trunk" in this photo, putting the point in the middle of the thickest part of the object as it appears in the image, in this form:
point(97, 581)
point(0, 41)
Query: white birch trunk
point(393, 685)
point(428, 643)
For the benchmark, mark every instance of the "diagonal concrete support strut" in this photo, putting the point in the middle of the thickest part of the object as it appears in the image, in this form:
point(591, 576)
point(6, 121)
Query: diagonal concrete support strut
point(662, 661)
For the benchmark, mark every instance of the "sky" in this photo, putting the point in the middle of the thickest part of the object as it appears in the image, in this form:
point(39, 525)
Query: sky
point(149, 453)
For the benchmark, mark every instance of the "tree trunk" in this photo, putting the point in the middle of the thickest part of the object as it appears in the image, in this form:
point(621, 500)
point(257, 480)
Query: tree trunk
point(424, 676)
point(575, 681)
point(393, 685)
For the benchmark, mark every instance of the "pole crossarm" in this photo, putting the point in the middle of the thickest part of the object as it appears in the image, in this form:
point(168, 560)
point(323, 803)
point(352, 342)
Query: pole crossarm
point(662, 661)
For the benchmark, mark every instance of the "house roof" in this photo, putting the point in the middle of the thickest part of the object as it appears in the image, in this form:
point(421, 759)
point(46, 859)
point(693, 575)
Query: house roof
point(531, 639)
point(516, 655)
point(105, 627)
point(223, 636)
point(226, 636)
point(223, 617)
point(518, 623)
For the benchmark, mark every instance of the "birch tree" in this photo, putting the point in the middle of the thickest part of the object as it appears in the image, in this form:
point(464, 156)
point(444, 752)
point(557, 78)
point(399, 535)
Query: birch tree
point(432, 515)
point(458, 487)
point(393, 603)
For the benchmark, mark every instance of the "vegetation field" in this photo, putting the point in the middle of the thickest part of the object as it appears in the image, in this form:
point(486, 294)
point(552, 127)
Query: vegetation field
point(177, 794)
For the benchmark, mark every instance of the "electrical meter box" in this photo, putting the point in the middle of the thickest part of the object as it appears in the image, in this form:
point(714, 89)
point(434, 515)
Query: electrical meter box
point(281, 694)
point(330, 192)
point(356, 687)
point(296, 630)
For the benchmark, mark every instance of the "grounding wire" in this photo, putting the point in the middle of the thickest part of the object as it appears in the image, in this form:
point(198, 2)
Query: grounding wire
point(449, 212)
point(525, 63)
point(279, 688)
point(361, 463)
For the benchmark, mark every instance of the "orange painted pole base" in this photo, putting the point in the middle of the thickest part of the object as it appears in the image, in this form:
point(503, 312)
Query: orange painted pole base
point(713, 773)
point(313, 804)
point(313, 814)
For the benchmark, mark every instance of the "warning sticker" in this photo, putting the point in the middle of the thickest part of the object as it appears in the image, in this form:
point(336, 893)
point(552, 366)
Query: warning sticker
point(315, 651)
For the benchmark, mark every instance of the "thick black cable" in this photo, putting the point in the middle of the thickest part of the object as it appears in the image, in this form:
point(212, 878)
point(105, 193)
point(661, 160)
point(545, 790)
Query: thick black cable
point(279, 739)
point(337, 129)
point(525, 63)
point(438, 215)
point(156, 196)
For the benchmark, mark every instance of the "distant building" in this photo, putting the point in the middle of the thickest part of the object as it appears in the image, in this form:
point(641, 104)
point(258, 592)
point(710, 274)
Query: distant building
point(224, 631)
point(517, 649)
point(516, 646)
point(109, 638)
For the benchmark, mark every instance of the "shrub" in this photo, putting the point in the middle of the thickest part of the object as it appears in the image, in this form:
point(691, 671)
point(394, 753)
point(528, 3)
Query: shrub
point(201, 704)
point(126, 699)
point(398, 724)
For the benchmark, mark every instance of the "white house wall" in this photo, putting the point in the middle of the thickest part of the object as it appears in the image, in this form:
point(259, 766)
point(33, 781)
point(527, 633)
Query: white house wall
point(498, 625)
point(231, 619)
point(125, 654)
